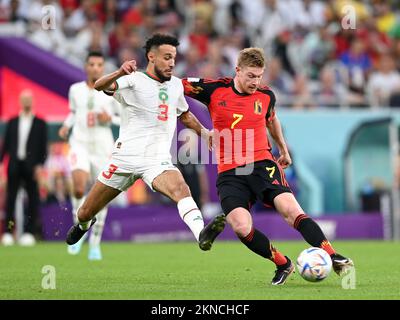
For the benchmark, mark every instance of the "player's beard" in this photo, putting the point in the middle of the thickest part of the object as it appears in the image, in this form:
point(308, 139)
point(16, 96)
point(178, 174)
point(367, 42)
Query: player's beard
point(160, 76)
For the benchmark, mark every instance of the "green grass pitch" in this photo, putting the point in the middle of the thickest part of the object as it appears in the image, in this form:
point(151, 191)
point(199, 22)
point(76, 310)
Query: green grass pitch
point(181, 271)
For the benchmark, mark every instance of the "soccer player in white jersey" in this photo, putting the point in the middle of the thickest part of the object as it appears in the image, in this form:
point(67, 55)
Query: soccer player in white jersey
point(91, 142)
point(151, 101)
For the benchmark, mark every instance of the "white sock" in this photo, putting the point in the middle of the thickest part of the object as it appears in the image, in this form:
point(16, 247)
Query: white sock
point(85, 225)
point(76, 203)
point(191, 215)
point(97, 229)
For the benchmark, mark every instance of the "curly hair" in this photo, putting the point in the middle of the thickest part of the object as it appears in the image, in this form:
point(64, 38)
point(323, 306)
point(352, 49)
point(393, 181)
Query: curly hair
point(159, 39)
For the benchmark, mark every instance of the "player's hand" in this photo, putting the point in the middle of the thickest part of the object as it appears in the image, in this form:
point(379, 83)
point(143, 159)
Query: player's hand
point(103, 117)
point(128, 67)
point(63, 132)
point(284, 160)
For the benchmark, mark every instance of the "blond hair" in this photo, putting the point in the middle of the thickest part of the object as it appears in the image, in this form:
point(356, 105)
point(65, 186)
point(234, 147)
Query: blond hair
point(251, 57)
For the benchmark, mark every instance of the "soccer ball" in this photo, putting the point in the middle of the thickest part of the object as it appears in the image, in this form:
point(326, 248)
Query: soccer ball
point(314, 264)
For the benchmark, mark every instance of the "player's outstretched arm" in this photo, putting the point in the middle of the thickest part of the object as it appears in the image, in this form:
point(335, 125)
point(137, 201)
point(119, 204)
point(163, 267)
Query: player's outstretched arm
point(275, 129)
point(107, 82)
point(190, 121)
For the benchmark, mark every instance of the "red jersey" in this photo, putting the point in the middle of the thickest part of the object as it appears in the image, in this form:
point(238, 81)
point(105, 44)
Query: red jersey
point(239, 120)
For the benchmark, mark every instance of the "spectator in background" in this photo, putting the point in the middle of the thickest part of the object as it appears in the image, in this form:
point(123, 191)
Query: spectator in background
point(199, 35)
point(317, 49)
point(59, 191)
point(358, 64)
point(279, 80)
point(79, 18)
point(127, 54)
point(12, 12)
point(110, 14)
point(396, 51)
point(166, 15)
point(328, 92)
point(301, 93)
point(375, 41)
point(216, 58)
point(191, 65)
point(25, 142)
point(384, 82)
point(386, 18)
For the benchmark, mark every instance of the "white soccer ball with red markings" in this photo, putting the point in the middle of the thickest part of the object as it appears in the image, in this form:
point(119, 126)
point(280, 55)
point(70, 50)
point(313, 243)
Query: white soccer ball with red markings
point(314, 264)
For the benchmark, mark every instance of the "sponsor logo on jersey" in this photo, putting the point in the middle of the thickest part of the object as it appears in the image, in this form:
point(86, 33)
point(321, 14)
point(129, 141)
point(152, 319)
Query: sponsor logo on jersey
point(222, 103)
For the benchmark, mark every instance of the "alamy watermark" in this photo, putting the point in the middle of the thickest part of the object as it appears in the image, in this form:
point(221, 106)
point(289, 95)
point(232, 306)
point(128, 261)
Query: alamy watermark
point(349, 19)
point(48, 17)
point(235, 146)
point(49, 278)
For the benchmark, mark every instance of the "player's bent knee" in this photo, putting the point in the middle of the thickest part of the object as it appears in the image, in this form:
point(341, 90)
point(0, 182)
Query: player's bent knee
point(181, 191)
point(241, 227)
point(79, 193)
point(291, 214)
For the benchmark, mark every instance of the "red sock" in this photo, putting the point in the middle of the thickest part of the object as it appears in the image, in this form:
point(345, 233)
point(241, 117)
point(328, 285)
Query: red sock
point(326, 245)
point(278, 258)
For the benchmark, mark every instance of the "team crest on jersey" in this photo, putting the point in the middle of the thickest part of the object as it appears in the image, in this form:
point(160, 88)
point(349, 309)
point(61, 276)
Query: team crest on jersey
point(257, 107)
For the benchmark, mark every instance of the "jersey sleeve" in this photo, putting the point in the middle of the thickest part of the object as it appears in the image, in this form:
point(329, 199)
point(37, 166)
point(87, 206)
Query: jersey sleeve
point(200, 89)
point(271, 107)
point(123, 84)
point(70, 120)
point(182, 105)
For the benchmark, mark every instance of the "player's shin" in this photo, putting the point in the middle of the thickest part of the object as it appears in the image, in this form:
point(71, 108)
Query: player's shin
point(257, 242)
point(312, 233)
point(191, 215)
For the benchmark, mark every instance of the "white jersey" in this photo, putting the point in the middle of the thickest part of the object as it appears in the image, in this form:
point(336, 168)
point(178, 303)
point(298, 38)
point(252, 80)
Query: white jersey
point(85, 104)
point(148, 118)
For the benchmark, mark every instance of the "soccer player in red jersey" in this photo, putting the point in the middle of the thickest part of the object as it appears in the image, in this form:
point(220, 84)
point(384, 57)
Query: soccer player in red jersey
point(242, 111)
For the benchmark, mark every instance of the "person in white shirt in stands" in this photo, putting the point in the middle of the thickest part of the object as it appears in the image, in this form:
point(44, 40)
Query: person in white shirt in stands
point(151, 101)
point(91, 142)
point(383, 82)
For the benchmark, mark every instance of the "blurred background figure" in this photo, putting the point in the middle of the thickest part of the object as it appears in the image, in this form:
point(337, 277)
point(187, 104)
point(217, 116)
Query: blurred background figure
point(384, 82)
point(60, 191)
point(25, 143)
point(91, 142)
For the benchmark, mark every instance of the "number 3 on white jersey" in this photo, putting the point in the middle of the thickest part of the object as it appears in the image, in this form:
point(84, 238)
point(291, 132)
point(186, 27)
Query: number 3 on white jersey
point(163, 116)
point(91, 119)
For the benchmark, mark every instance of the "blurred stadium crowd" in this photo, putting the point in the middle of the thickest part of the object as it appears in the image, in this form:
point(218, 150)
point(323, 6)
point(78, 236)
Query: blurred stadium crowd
point(317, 56)
point(315, 60)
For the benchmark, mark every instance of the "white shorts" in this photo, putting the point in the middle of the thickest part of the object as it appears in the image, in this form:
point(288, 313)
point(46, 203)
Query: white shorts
point(117, 177)
point(88, 158)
